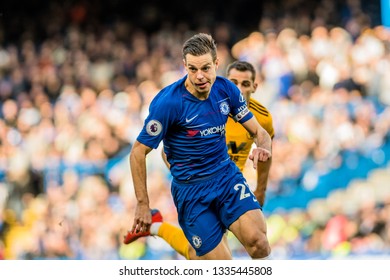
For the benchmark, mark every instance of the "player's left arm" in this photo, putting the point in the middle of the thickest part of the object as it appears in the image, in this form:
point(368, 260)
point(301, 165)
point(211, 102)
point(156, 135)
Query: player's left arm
point(263, 142)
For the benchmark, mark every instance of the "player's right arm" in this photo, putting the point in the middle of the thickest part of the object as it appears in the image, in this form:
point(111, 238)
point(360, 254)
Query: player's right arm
point(143, 217)
point(164, 158)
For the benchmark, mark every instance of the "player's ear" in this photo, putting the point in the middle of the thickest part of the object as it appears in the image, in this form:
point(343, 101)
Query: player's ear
point(216, 63)
point(255, 86)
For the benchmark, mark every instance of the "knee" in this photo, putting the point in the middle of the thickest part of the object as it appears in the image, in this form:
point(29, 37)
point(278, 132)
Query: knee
point(259, 247)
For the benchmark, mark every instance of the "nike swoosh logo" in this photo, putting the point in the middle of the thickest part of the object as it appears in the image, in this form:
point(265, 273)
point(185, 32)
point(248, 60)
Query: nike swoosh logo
point(188, 120)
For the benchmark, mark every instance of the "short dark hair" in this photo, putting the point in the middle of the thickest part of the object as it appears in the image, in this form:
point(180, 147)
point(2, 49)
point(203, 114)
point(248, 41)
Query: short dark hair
point(242, 66)
point(200, 44)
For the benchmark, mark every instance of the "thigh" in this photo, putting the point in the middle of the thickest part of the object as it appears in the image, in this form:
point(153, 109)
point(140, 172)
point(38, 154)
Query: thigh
point(249, 226)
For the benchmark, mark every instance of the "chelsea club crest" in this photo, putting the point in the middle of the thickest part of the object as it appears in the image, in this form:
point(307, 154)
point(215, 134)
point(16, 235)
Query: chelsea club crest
point(224, 108)
point(196, 241)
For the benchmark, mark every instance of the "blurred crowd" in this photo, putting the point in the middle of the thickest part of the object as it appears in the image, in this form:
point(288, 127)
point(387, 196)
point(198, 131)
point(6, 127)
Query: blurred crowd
point(73, 100)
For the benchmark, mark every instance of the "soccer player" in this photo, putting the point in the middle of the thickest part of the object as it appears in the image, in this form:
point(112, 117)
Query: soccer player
point(209, 190)
point(239, 144)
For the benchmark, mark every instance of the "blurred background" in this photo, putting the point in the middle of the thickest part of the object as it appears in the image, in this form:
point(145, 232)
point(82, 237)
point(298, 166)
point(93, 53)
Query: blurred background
point(76, 79)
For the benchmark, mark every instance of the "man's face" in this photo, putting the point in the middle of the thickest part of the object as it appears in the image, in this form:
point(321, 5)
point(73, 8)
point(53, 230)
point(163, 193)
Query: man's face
point(243, 80)
point(202, 72)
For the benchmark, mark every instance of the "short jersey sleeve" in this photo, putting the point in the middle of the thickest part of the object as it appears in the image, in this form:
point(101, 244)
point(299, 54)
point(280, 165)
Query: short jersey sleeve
point(162, 113)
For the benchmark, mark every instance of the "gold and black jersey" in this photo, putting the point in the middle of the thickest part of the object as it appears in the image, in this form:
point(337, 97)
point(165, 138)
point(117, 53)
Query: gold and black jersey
point(239, 141)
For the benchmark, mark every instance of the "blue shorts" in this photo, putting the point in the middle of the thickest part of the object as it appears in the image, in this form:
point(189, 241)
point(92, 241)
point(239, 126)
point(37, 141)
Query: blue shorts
point(206, 208)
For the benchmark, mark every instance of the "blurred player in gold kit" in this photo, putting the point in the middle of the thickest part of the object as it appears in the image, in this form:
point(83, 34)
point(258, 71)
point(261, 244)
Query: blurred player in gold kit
point(239, 143)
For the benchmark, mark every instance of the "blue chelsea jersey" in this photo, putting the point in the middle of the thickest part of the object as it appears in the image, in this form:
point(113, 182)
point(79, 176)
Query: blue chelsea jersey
point(193, 130)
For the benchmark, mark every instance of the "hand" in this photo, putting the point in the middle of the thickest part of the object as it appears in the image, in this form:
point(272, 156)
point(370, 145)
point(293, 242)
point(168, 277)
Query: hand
point(142, 219)
point(259, 154)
